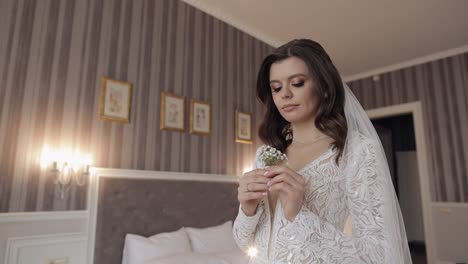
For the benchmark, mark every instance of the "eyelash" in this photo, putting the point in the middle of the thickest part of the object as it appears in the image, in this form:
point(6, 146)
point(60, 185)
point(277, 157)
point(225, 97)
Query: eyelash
point(275, 90)
point(299, 84)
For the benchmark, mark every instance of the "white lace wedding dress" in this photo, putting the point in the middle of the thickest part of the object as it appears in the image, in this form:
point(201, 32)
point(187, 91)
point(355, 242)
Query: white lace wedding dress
point(331, 199)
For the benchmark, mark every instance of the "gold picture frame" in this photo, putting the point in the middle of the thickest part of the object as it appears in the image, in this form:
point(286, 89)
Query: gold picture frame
point(172, 112)
point(243, 122)
point(200, 117)
point(115, 100)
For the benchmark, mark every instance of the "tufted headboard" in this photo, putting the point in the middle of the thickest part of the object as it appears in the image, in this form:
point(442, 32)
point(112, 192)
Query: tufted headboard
point(147, 203)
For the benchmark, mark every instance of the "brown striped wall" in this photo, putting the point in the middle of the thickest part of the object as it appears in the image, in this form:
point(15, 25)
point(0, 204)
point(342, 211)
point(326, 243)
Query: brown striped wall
point(53, 54)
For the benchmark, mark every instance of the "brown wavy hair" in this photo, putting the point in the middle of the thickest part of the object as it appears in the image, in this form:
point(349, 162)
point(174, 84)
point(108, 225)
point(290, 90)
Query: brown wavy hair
point(330, 117)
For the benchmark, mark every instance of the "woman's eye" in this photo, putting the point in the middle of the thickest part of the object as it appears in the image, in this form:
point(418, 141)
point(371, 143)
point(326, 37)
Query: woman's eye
point(298, 84)
point(275, 89)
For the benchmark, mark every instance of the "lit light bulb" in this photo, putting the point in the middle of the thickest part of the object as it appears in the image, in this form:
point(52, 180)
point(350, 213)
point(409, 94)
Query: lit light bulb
point(252, 252)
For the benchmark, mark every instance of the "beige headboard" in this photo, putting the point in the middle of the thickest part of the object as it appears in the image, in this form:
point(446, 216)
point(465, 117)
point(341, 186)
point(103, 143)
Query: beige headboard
point(147, 203)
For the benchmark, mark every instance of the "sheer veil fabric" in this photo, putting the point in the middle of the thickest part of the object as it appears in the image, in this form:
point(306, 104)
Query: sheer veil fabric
point(382, 210)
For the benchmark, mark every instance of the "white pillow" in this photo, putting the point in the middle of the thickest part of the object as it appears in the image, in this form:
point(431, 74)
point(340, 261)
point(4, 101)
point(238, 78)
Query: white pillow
point(139, 249)
point(212, 239)
point(189, 258)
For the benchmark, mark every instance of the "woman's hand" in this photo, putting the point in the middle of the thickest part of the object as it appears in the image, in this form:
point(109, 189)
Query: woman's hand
point(252, 188)
point(290, 185)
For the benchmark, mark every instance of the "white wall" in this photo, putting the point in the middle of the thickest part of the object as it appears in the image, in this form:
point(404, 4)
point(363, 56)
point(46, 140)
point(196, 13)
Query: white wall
point(44, 236)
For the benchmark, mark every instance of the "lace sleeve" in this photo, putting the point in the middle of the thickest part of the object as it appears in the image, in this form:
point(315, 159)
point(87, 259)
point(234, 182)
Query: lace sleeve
point(244, 226)
point(312, 240)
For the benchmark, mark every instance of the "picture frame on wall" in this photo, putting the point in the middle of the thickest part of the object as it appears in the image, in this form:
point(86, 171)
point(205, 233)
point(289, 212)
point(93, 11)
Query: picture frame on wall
point(115, 100)
point(200, 117)
point(172, 112)
point(243, 127)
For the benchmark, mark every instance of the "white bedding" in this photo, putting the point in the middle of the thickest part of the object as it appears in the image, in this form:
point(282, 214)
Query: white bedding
point(211, 245)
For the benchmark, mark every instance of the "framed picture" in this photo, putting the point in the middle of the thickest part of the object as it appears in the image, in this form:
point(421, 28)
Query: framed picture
point(172, 112)
point(200, 117)
point(115, 100)
point(243, 127)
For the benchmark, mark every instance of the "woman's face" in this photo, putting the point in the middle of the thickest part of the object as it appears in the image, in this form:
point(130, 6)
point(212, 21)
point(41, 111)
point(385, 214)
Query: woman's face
point(293, 90)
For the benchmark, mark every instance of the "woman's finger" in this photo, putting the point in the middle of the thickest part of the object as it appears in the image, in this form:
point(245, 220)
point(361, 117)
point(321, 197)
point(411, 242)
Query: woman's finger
point(257, 187)
point(251, 196)
point(252, 179)
point(285, 178)
point(282, 187)
point(275, 170)
point(258, 172)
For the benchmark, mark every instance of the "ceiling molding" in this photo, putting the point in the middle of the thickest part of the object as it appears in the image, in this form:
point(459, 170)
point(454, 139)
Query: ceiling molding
point(219, 14)
point(409, 63)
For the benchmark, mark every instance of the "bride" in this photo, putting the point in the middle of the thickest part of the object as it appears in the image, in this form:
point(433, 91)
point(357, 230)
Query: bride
point(333, 201)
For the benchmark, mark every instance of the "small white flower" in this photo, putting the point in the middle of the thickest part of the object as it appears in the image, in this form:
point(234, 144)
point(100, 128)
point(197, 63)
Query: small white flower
point(270, 155)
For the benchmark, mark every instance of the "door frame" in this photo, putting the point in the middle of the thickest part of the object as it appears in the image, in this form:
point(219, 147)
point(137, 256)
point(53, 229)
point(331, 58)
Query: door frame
point(415, 108)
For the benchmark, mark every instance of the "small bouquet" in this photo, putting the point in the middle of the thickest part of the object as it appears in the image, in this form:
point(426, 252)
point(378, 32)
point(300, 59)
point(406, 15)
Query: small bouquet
point(271, 156)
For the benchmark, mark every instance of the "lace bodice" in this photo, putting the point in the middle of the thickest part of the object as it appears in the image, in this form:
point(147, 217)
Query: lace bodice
point(317, 233)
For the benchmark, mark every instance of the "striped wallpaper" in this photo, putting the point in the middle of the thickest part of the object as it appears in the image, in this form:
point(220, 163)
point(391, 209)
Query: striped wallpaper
point(442, 88)
point(52, 56)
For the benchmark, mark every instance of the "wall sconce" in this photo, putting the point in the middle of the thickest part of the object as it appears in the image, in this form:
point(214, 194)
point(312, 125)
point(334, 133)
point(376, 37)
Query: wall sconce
point(65, 167)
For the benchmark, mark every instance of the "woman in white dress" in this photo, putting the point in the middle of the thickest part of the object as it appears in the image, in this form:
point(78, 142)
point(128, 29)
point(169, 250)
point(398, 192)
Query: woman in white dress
point(333, 201)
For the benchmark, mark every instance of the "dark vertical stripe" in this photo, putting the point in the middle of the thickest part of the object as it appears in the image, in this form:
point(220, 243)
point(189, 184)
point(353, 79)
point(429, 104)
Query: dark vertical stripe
point(6, 69)
point(20, 69)
point(139, 75)
point(5, 177)
point(203, 83)
point(436, 143)
point(170, 75)
point(446, 124)
point(123, 74)
point(231, 98)
point(80, 198)
point(388, 89)
point(189, 68)
point(162, 80)
point(413, 93)
point(452, 125)
point(144, 86)
point(405, 85)
point(464, 74)
point(208, 86)
point(224, 86)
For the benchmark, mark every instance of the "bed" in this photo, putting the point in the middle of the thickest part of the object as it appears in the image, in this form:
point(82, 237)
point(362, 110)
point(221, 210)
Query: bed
point(147, 203)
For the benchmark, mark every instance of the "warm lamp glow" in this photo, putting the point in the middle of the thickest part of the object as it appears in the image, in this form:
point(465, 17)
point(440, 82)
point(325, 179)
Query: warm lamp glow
point(64, 165)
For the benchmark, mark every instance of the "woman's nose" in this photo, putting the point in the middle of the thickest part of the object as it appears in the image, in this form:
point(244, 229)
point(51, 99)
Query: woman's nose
point(286, 93)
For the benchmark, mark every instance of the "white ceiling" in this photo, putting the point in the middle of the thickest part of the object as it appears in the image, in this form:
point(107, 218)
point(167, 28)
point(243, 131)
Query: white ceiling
point(361, 36)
